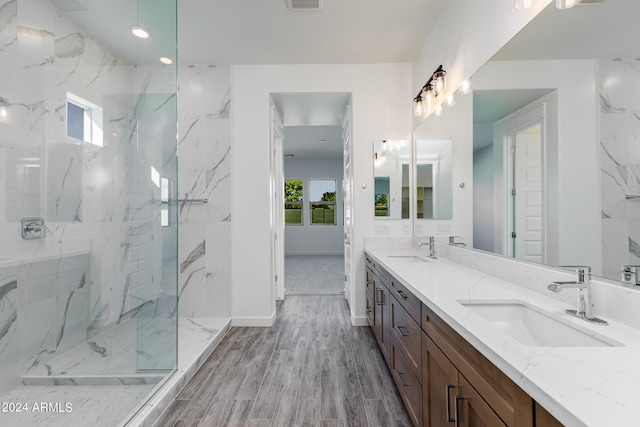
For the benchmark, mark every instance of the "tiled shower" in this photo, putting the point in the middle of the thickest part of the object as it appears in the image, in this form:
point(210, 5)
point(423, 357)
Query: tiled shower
point(88, 147)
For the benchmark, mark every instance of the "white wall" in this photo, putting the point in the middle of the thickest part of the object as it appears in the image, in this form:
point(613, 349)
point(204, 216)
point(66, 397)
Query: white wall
point(309, 239)
point(380, 94)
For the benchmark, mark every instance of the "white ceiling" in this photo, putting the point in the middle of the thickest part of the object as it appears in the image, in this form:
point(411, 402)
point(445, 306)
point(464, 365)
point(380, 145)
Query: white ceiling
point(313, 142)
point(266, 32)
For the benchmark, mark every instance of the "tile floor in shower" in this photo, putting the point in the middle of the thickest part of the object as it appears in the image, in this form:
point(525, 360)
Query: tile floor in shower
point(97, 383)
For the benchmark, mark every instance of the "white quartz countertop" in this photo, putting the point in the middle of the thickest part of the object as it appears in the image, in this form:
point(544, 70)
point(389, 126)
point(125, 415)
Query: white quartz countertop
point(580, 386)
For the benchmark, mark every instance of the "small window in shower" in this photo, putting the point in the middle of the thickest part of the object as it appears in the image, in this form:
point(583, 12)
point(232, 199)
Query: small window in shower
point(84, 120)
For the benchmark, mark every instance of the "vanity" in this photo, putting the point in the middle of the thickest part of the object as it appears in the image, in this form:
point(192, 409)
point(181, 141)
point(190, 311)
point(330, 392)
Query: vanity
point(468, 348)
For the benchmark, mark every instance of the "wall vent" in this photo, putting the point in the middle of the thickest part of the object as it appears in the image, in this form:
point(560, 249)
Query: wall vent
point(304, 5)
point(590, 2)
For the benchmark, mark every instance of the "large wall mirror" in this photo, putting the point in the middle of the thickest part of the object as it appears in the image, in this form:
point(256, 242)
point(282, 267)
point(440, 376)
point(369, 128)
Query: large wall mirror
point(556, 157)
point(391, 170)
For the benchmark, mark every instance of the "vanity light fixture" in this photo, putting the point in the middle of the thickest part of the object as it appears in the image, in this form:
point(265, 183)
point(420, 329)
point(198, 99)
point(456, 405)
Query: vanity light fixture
point(428, 93)
point(140, 31)
point(566, 4)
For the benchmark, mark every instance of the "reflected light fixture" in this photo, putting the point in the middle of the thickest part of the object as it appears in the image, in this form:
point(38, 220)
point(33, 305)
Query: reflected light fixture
point(438, 110)
point(165, 60)
point(428, 93)
point(566, 4)
point(465, 88)
point(140, 31)
point(523, 4)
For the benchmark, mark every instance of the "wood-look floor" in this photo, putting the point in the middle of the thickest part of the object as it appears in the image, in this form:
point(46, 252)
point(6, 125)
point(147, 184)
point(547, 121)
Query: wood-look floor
point(312, 368)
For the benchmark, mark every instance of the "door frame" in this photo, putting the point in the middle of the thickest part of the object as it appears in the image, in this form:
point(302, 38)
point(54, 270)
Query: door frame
point(276, 184)
point(503, 131)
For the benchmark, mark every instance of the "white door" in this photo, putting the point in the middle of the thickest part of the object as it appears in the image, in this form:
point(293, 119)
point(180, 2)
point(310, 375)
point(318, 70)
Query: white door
point(276, 174)
point(527, 194)
point(347, 191)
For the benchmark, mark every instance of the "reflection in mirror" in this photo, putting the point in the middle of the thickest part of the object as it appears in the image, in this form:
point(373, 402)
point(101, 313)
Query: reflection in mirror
point(555, 141)
point(22, 153)
point(391, 161)
point(434, 161)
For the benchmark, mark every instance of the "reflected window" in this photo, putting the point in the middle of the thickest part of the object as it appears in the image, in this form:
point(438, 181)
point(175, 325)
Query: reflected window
point(322, 201)
point(381, 196)
point(84, 120)
point(293, 193)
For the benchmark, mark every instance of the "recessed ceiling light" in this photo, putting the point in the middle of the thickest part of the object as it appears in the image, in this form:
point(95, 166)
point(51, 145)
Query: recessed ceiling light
point(140, 31)
point(165, 60)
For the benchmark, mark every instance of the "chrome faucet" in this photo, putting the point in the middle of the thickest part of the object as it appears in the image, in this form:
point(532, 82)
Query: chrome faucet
point(630, 274)
point(432, 247)
point(452, 241)
point(583, 284)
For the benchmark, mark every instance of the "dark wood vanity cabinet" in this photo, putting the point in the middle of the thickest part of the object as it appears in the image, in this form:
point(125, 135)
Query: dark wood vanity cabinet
point(378, 304)
point(442, 379)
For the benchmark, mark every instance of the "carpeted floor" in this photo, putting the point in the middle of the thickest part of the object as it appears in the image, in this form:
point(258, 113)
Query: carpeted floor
point(314, 274)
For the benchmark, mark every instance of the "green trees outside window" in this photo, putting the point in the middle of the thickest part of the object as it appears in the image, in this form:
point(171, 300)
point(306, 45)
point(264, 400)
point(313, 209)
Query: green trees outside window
point(293, 193)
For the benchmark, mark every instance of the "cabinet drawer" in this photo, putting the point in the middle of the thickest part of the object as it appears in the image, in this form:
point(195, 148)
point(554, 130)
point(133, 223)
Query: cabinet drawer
point(510, 402)
point(408, 300)
point(407, 383)
point(407, 335)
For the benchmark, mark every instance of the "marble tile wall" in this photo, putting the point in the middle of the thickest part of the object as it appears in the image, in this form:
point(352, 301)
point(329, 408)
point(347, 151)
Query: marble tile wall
point(102, 193)
point(620, 162)
point(204, 146)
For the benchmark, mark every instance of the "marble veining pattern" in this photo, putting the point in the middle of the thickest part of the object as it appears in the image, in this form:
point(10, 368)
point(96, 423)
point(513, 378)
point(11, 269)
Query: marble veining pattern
point(204, 279)
point(620, 162)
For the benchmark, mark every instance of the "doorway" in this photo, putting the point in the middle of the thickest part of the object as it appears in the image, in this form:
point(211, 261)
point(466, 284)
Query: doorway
point(311, 204)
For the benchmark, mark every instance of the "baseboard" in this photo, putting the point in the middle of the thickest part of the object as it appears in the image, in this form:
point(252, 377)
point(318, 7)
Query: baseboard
point(254, 321)
point(359, 320)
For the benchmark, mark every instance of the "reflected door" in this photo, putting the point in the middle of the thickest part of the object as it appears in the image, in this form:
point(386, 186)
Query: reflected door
point(527, 194)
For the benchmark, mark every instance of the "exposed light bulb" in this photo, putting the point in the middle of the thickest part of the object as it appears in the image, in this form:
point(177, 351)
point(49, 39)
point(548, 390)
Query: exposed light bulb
point(166, 61)
point(418, 108)
point(439, 84)
point(3, 112)
point(428, 96)
point(438, 110)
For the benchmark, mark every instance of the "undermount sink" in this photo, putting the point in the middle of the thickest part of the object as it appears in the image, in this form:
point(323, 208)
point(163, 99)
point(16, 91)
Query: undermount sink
point(410, 258)
point(534, 327)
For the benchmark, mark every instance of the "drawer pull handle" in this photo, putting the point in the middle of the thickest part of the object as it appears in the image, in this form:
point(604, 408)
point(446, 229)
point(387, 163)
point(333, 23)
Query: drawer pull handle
point(402, 331)
point(400, 376)
point(449, 387)
point(457, 415)
point(380, 297)
point(402, 294)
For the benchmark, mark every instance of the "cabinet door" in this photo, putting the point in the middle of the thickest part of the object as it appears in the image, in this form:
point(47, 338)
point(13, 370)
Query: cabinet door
point(381, 328)
point(471, 410)
point(370, 294)
point(545, 419)
point(439, 386)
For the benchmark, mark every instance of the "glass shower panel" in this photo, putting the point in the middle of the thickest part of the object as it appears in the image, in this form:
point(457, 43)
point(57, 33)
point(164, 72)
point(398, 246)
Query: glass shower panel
point(88, 139)
point(154, 228)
